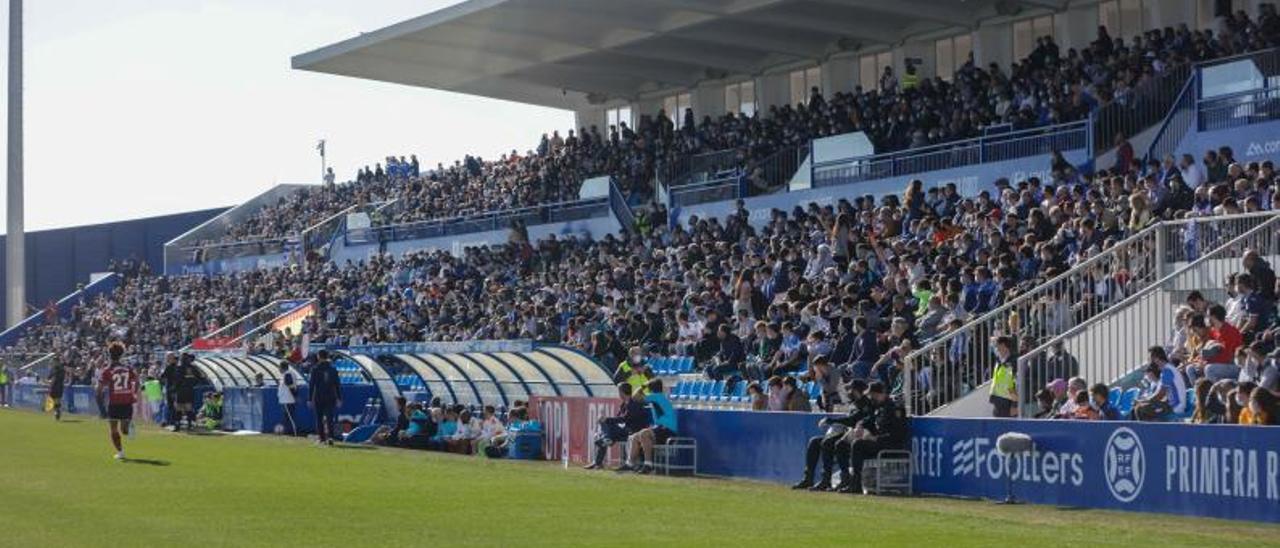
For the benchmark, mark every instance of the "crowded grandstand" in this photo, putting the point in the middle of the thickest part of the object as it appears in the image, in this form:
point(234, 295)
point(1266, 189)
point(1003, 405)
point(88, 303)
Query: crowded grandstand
point(1098, 249)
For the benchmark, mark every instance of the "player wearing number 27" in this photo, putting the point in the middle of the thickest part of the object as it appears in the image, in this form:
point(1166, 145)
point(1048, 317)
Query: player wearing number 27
point(119, 386)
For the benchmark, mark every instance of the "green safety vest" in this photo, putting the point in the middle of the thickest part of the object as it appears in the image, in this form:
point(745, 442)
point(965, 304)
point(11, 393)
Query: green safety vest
point(910, 81)
point(151, 389)
point(1002, 382)
point(634, 378)
point(4, 376)
point(924, 297)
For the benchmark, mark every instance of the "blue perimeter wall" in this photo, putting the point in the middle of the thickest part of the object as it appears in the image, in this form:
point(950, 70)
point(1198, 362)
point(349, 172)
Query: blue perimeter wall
point(59, 259)
point(1222, 471)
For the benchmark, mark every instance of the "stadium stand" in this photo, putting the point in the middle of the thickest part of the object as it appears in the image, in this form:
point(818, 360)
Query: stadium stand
point(1046, 87)
point(905, 289)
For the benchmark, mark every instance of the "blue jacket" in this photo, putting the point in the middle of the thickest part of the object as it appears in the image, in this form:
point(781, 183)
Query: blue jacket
point(664, 414)
point(866, 348)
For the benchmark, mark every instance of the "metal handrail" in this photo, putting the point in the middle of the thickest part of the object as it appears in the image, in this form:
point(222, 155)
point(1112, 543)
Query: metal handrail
point(1211, 101)
point(1188, 87)
point(273, 320)
point(500, 213)
point(241, 243)
point(264, 308)
point(1152, 236)
point(950, 145)
point(1236, 57)
point(37, 361)
point(1124, 304)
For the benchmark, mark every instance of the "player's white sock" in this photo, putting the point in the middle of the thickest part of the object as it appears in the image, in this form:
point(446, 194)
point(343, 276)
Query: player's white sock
point(120, 455)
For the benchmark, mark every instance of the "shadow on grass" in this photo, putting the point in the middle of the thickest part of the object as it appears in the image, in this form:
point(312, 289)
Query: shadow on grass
point(350, 447)
point(150, 462)
point(71, 421)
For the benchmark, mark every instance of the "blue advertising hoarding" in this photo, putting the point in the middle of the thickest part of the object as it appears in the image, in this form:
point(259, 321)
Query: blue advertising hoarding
point(1222, 471)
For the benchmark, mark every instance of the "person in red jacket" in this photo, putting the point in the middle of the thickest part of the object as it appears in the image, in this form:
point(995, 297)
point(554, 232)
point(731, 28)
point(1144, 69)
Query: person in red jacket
point(118, 385)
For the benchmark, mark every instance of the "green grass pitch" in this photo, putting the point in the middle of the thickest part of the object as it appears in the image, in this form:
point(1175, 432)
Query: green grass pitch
point(60, 487)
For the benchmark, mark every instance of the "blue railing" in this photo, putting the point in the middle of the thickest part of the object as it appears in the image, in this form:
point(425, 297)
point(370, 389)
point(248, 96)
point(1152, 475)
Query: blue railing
point(1146, 104)
point(683, 168)
point(103, 285)
point(993, 148)
point(727, 187)
point(481, 222)
point(762, 177)
point(1238, 109)
point(621, 209)
point(1177, 123)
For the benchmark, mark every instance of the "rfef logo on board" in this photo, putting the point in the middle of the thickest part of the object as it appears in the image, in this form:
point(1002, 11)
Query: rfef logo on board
point(1125, 464)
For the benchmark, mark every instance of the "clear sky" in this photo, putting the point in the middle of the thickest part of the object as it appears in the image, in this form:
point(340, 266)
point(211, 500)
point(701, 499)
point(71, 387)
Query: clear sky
point(145, 107)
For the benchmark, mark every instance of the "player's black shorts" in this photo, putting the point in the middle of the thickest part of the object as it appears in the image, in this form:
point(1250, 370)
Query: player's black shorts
point(120, 411)
point(662, 434)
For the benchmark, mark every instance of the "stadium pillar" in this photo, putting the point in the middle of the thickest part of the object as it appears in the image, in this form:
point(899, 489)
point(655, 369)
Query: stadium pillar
point(15, 241)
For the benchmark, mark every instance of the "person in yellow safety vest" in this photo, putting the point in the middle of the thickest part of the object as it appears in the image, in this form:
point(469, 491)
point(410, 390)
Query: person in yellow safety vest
point(910, 79)
point(5, 392)
point(1004, 390)
point(633, 371)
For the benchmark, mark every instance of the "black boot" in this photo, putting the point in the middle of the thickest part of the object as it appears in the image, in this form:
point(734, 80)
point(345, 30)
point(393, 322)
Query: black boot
point(804, 483)
point(824, 485)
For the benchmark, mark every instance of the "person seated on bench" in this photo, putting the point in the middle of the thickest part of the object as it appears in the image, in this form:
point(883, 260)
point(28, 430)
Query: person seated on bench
point(632, 417)
point(390, 435)
point(447, 425)
point(417, 434)
point(1168, 390)
point(885, 429)
point(464, 437)
point(663, 429)
point(492, 431)
point(824, 446)
point(211, 412)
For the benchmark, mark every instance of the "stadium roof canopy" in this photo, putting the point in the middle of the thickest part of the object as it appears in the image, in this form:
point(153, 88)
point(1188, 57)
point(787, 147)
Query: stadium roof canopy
point(576, 53)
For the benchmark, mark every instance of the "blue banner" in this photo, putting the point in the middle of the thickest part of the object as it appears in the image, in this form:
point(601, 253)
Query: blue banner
point(1221, 471)
point(442, 347)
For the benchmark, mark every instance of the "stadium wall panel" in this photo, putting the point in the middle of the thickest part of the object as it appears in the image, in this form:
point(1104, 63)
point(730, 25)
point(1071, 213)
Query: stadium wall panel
point(1222, 471)
point(1250, 143)
point(969, 180)
point(58, 259)
point(594, 228)
point(258, 409)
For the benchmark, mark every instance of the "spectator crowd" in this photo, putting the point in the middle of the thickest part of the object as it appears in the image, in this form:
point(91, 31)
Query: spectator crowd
point(830, 292)
point(1047, 87)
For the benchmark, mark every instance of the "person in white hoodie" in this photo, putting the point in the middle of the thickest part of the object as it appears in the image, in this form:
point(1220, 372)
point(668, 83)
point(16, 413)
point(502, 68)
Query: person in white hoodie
point(492, 431)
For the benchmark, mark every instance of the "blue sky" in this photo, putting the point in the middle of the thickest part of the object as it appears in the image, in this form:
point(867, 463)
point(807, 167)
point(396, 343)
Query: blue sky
point(146, 107)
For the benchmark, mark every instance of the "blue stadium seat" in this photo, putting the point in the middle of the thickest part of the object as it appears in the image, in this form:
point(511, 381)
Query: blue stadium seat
point(1190, 408)
point(699, 388)
point(658, 365)
point(714, 390)
point(686, 364)
point(1114, 395)
point(681, 390)
point(815, 390)
point(1126, 401)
